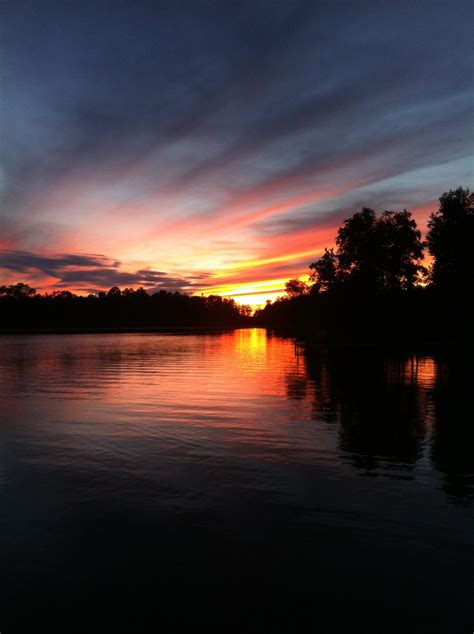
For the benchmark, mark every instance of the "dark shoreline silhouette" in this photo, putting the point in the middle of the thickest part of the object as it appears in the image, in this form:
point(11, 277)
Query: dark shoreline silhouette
point(23, 310)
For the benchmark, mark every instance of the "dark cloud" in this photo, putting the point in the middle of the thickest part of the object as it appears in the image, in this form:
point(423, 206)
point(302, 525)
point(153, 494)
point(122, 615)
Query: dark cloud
point(129, 95)
point(22, 261)
point(92, 272)
point(127, 79)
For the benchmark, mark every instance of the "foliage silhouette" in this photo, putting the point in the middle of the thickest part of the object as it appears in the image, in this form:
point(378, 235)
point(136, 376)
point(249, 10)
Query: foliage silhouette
point(22, 308)
point(450, 241)
point(373, 287)
point(296, 287)
point(373, 253)
point(17, 291)
point(325, 272)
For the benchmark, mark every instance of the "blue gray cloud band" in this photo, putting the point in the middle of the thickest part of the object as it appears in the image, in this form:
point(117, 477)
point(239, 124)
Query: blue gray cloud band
point(88, 272)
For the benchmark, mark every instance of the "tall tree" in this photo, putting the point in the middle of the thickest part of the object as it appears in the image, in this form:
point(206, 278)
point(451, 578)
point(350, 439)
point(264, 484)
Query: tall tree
point(450, 241)
point(374, 253)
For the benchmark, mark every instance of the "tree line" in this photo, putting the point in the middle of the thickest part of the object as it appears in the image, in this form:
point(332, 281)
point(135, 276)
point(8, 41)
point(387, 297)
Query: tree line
point(374, 285)
point(21, 308)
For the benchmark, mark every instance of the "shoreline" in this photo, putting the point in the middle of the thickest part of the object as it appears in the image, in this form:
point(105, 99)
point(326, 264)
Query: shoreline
point(301, 341)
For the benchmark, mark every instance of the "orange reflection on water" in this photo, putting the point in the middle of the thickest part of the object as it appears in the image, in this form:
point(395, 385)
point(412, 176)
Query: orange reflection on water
point(421, 370)
point(201, 397)
point(210, 380)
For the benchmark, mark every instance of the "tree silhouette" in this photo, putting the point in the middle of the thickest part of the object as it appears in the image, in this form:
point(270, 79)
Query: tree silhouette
point(296, 287)
point(374, 253)
point(380, 253)
point(325, 271)
point(17, 291)
point(369, 287)
point(450, 241)
point(21, 308)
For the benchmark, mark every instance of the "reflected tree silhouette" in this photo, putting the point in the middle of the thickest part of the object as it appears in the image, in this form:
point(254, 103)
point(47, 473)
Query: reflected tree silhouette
point(380, 415)
point(453, 431)
point(296, 385)
point(394, 410)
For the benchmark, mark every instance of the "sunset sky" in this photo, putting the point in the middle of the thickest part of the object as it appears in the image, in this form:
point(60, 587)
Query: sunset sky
point(217, 146)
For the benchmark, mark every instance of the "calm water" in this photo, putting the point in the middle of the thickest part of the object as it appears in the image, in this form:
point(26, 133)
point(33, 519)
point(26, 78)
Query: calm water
point(157, 465)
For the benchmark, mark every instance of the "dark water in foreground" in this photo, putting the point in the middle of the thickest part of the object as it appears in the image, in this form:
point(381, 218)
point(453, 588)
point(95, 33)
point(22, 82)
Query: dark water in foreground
point(137, 470)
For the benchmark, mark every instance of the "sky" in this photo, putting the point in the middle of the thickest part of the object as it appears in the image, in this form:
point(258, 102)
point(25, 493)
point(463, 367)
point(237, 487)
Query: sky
point(216, 147)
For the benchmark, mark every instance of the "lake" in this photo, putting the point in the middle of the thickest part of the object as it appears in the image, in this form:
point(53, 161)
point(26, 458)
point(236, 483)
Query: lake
point(136, 469)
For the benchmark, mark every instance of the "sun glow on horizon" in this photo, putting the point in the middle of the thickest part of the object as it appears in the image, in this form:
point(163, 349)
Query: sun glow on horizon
point(246, 295)
point(254, 294)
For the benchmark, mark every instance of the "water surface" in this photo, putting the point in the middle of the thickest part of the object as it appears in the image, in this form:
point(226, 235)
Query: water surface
point(144, 464)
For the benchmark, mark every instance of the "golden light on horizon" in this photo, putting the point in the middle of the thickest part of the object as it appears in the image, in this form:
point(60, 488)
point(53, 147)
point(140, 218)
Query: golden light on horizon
point(285, 257)
point(255, 294)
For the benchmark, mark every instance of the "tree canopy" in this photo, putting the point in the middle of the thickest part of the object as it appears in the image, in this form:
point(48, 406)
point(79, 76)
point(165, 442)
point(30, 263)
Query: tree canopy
point(22, 308)
point(450, 240)
point(372, 284)
point(374, 253)
point(296, 287)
